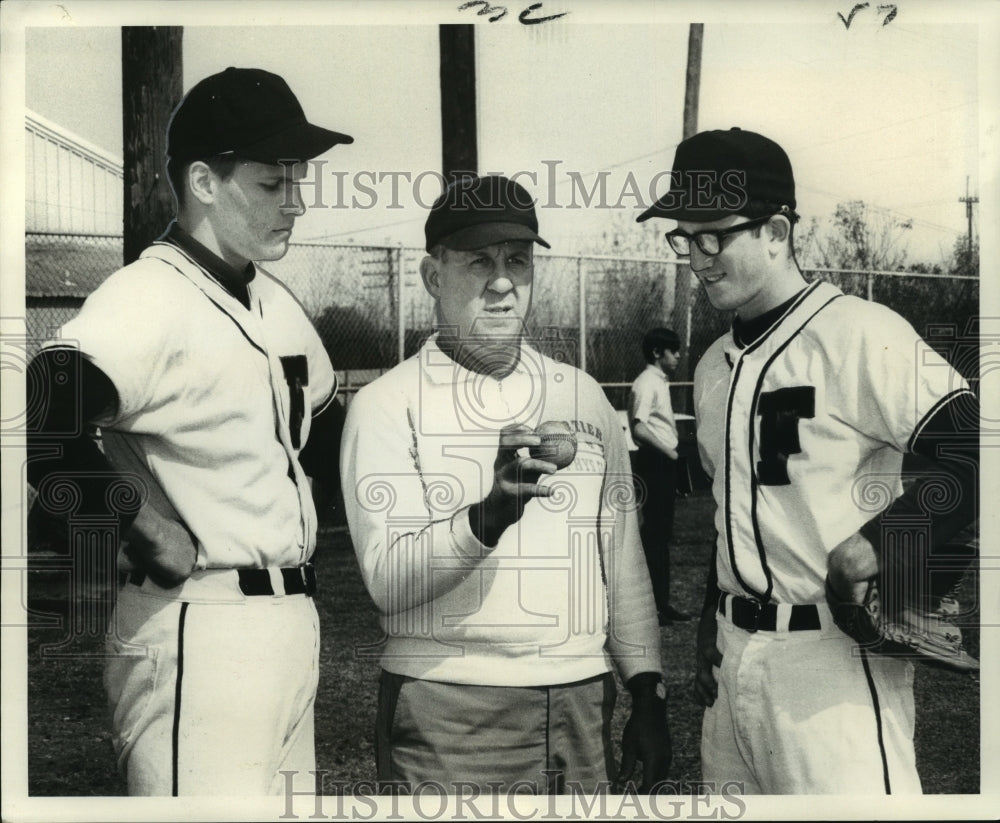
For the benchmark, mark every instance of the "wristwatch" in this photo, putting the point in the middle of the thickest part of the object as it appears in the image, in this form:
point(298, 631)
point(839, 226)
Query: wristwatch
point(639, 685)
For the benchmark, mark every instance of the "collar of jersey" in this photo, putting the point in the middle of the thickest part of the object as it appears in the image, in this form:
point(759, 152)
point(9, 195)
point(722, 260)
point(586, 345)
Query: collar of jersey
point(441, 369)
point(233, 280)
point(748, 332)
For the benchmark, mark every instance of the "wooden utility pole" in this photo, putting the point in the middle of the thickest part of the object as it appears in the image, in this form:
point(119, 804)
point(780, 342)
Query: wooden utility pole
point(682, 285)
point(458, 100)
point(692, 79)
point(968, 213)
point(152, 86)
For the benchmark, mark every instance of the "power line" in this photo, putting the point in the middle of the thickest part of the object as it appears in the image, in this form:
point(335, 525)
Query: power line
point(875, 207)
point(935, 113)
point(366, 228)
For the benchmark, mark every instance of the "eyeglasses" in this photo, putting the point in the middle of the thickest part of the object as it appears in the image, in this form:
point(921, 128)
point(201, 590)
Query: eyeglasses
point(708, 242)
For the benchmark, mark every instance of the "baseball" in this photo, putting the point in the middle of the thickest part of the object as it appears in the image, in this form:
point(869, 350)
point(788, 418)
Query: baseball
point(558, 444)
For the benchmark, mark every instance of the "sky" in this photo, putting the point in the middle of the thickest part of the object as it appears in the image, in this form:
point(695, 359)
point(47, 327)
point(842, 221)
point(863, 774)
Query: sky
point(885, 112)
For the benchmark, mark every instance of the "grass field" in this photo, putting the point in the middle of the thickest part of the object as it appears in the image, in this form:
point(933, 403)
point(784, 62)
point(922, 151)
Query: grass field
point(70, 754)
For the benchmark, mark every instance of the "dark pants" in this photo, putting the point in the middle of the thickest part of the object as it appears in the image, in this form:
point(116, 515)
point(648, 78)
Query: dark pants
point(656, 481)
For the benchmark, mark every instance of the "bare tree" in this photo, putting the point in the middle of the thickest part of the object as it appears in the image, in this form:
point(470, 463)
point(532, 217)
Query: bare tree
point(965, 260)
point(621, 235)
point(861, 238)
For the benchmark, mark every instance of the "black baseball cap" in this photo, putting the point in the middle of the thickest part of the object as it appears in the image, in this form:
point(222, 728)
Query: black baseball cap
point(717, 173)
point(474, 212)
point(250, 113)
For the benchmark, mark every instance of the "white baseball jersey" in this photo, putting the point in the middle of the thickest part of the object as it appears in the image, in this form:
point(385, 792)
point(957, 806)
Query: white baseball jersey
point(215, 402)
point(803, 432)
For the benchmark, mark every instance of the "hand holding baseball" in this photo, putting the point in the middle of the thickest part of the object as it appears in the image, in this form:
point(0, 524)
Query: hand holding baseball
point(515, 482)
point(515, 477)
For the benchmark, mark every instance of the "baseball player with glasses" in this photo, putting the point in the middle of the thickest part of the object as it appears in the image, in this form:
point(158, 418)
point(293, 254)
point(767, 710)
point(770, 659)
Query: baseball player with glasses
point(213, 396)
point(829, 576)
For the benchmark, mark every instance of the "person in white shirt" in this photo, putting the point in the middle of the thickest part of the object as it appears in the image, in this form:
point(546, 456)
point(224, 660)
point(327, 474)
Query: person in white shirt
point(654, 431)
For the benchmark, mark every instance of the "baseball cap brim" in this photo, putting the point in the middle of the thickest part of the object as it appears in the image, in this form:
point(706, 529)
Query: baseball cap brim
point(663, 208)
point(489, 234)
point(301, 141)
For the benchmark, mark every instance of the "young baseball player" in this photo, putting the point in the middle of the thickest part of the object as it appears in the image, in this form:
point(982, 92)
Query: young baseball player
point(509, 591)
point(651, 417)
point(805, 409)
point(205, 378)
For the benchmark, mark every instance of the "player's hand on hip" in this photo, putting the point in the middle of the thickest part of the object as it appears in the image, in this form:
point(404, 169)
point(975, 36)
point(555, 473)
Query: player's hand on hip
point(162, 548)
point(707, 658)
point(850, 565)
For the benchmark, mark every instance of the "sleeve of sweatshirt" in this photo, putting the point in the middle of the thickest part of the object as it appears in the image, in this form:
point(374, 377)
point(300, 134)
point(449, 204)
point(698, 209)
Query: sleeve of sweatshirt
point(633, 632)
point(406, 555)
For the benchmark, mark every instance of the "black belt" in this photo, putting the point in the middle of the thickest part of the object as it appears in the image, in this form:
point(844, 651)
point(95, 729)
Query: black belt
point(253, 582)
point(751, 616)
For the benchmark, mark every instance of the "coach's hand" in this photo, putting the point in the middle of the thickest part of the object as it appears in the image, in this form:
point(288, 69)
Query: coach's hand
point(162, 548)
point(647, 734)
point(515, 482)
point(707, 655)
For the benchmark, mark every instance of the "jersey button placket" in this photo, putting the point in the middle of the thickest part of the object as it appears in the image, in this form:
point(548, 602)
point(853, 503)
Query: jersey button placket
point(283, 435)
point(738, 495)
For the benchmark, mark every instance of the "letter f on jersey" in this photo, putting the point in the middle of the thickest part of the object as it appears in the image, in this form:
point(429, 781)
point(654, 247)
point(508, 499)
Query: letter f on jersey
point(780, 412)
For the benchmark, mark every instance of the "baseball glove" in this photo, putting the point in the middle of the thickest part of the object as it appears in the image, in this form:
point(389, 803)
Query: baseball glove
point(928, 635)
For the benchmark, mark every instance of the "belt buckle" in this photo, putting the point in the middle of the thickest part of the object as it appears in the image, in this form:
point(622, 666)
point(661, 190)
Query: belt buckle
point(757, 608)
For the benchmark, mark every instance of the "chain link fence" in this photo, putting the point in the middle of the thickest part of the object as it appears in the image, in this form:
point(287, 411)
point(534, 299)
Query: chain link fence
point(371, 310)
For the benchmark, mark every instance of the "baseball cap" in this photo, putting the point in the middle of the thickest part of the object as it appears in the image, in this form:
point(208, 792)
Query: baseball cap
point(250, 113)
point(474, 212)
point(716, 173)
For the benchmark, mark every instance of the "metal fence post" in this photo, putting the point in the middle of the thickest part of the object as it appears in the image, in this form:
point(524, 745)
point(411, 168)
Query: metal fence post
point(681, 318)
point(870, 278)
point(582, 289)
point(400, 316)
